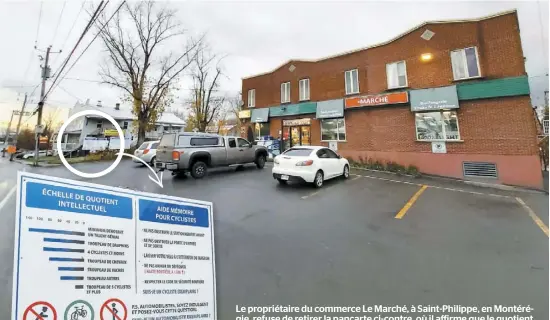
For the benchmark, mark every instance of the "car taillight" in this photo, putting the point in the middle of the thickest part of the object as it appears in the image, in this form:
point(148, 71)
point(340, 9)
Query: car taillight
point(176, 155)
point(146, 151)
point(304, 163)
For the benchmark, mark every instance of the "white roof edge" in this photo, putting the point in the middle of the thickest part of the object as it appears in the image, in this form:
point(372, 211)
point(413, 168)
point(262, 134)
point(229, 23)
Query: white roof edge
point(498, 14)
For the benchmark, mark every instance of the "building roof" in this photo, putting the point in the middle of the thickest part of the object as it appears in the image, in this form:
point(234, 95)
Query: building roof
point(170, 118)
point(126, 113)
point(387, 42)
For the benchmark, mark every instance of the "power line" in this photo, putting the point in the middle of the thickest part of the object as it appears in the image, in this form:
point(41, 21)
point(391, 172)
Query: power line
point(38, 26)
point(67, 92)
point(95, 37)
point(92, 20)
point(70, 29)
point(58, 22)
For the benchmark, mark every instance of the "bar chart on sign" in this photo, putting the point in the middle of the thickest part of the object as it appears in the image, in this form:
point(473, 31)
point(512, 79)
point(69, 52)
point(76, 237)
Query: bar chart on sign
point(84, 250)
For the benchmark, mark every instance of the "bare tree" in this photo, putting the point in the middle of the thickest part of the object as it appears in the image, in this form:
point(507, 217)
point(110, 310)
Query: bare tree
point(228, 114)
point(51, 125)
point(206, 104)
point(179, 113)
point(140, 61)
point(234, 107)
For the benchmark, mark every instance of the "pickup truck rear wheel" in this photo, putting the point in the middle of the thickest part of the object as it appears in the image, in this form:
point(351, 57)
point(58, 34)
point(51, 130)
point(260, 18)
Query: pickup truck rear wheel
point(198, 170)
point(260, 161)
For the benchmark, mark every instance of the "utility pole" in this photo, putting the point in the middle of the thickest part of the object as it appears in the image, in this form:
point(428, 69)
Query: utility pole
point(45, 76)
point(7, 135)
point(19, 125)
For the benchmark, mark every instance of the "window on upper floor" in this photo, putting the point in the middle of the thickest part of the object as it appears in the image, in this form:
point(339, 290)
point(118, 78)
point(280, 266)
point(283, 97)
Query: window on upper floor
point(465, 63)
point(304, 89)
point(251, 98)
point(396, 74)
point(352, 81)
point(285, 92)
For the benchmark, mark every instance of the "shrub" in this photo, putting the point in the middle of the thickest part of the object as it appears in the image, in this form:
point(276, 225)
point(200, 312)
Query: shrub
point(391, 166)
point(377, 165)
point(412, 170)
point(370, 163)
point(361, 160)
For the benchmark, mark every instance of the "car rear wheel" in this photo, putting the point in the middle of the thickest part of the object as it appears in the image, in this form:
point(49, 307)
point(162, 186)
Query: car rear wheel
point(198, 170)
point(260, 161)
point(318, 182)
point(346, 172)
point(153, 162)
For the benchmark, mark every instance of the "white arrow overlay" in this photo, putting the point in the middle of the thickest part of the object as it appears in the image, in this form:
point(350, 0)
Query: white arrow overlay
point(156, 179)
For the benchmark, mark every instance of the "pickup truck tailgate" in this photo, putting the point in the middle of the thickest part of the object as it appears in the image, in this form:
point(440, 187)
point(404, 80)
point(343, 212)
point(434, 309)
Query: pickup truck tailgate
point(165, 148)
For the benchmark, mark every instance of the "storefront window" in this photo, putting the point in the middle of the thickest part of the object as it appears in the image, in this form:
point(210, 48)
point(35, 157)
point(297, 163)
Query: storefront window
point(437, 126)
point(333, 129)
point(260, 130)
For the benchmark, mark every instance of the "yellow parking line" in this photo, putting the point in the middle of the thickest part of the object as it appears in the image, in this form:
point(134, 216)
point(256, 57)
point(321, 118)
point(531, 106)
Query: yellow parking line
point(534, 216)
point(409, 204)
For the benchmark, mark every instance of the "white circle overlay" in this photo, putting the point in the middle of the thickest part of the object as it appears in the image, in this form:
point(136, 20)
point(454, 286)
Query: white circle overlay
point(60, 149)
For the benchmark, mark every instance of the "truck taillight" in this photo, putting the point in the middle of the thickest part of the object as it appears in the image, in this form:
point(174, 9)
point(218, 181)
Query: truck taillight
point(176, 155)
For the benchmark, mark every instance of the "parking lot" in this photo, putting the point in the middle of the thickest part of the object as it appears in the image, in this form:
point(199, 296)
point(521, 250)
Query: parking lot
point(371, 239)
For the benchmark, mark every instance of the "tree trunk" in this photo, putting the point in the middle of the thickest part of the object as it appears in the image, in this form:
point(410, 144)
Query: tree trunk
point(142, 124)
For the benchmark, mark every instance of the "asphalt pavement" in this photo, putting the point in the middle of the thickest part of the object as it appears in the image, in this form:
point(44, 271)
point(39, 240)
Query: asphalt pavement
point(342, 245)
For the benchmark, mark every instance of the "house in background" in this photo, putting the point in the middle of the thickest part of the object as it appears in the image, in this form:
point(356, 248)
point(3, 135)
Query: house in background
point(94, 126)
point(226, 127)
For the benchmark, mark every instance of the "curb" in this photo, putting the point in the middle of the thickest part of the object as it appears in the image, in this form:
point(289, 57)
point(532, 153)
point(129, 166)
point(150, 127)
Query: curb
point(388, 172)
point(468, 182)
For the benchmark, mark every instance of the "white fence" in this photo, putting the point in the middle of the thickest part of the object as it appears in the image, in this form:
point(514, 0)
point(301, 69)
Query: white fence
point(98, 144)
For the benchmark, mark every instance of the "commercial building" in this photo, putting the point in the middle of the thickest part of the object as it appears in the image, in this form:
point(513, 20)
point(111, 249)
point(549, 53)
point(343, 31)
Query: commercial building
point(450, 97)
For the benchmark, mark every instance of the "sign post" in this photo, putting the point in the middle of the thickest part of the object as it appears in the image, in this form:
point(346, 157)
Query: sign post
point(119, 253)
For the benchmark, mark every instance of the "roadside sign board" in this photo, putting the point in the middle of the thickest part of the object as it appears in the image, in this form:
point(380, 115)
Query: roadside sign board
point(84, 249)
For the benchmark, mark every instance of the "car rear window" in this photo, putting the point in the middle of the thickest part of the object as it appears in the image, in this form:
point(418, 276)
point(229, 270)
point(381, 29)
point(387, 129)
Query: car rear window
point(204, 141)
point(300, 152)
point(143, 146)
point(154, 145)
point(168, 139)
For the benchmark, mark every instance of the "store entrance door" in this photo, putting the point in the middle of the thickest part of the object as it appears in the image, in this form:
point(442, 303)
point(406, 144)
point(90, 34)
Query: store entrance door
point(296, 136)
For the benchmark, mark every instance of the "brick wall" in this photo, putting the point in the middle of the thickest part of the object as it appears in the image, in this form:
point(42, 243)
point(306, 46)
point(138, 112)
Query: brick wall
point(503, 126)
point(497, 39)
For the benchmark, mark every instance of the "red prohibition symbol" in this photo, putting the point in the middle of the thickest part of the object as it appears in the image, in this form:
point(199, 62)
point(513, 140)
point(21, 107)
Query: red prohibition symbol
point(113, 311)
point(43, 312)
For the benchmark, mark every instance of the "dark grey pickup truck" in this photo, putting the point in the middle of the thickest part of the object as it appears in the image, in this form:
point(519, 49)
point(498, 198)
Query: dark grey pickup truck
point(196, 152)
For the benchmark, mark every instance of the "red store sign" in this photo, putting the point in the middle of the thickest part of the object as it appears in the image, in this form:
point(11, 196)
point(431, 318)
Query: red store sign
point(377, 100)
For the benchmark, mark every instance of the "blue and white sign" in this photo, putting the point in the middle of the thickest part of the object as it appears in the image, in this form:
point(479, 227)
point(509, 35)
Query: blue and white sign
point(83, 249)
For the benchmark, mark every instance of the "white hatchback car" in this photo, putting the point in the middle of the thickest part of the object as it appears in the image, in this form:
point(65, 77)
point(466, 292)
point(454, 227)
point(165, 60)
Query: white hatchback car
point(309, 164)
point(147, 152)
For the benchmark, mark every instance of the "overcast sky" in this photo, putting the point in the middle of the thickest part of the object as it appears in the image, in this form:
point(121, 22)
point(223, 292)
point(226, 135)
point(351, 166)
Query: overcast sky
point(257, 36)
